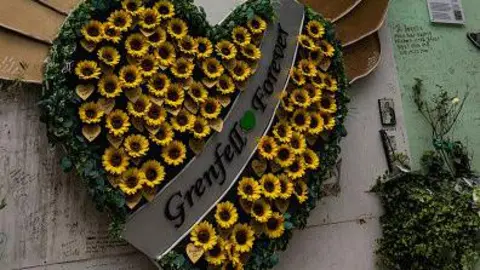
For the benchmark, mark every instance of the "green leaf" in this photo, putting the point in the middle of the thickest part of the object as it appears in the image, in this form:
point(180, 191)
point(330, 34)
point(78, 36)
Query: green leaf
point(66, 164)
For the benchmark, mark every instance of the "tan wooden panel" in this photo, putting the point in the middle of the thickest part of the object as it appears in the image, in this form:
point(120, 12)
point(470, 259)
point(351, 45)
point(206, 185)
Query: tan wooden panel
point(30, 18)
point(63, 6)
point(332, 10)
point(21, 57)
point(362, 57)
point(364, 20)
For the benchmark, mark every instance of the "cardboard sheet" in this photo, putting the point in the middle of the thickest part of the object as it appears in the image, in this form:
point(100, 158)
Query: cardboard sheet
point(362, 57)
point(30, 18)
point(362, 21)
point(64, 6)
point(21, 58)
point(332, 10)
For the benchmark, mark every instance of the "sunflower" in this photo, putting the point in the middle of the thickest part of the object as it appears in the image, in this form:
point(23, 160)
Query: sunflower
point(251, 52)
point(87, 70)
point(331, 83)
point(109, 86)
point(249, 189)
point(91, 113)
point(315, 29)
point(240, 71)
point(226, 215)
point(158, 84)
point(297, 169)
point(183, 121)
point(140, 107)
point(155, 116)
point(136, 146)
point(163, 136)
point(267, 147)
point(241, 36)
point(130, 76)
point(217, 255)
point(203, 235)
point(211, 108)
point(297, 76)
point(148, 65)
point(311, 159)
point(204, 48)
point(132, 6)
point(158, 37)
point(329, 121)
point(174, 153)
point(177, 28)
point(326, 48)
point(188, 45)
point(165, 8)
point(121, 20)
point(300, 120)
point(314, 93)
point(136, 45)
point(307, 67)
point(300, 98)
point(149, 18)
point(212, 68)
point(286, 187)
point(282, 132)
point(226, 50)
point(257, 25)
point(166, 54)
point(286, 103)
point(225, 85)
point(242, 237)
point(154, 173)
point(285, 156)
point(182, 68)
point(131, 181)
point(109, 55)
point(306, 42)
point(200, 128)
point(117, 123)
point(301, 191)
point(316, 124)
point(115, 161)
point(316, 56)
point(93, 31)
point(111, 33)
point(270, 186)
point(328, 104)
point(197, 92)
point(298, 143)
point(261, 211)
point(274, 227)
point(174, 96)
point(319, 80)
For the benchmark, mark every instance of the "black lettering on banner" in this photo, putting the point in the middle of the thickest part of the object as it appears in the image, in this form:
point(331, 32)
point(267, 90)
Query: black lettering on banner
point(179, 210)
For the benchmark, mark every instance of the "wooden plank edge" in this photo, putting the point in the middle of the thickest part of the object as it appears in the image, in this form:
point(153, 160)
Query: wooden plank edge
point(48, 5)
point(343, 14)
point(33, 37)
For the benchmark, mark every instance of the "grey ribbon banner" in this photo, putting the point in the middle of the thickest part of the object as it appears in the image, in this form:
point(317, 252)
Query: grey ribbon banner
point(158, 226)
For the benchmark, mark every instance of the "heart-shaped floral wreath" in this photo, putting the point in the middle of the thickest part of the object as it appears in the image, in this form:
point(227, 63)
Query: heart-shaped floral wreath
point(133, 90)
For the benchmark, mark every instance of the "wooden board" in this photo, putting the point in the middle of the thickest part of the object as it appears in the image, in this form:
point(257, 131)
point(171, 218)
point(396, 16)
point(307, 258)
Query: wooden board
point(30, 18)
point(62, 6)
point(362, 21)
point(362, 57)
point(332, 10)
point(21, 58)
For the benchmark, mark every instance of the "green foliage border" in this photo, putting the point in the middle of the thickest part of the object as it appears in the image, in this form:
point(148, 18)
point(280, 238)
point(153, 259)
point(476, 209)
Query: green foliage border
point(59, 102)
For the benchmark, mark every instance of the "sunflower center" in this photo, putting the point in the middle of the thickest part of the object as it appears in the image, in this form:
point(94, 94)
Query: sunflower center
point(202, 48)
point(161, 134)
point(267, 148)
point(215, 251)
point(328, 83)
point(130, 77)
point(149, 19)
point(315, 55)
point(203, 236)
point(300, 119)
point(300, 98)
point(240, 37)
point(151, 174)
point(187, 45)
point(224, 84)
point(110, 32)
point(225, 215)
point(164, 10)
point(306, 68)
point(177, 29)
point(314, 122)
point(317, 80)
point(93, 31)
point(163, 53)
point(314, 30)
point(147, 65)
point(225, 51)
point(116, 160)
point(136, 44)
point(269, 186)
point(131, 6)
point(325, 103)
point(154, 112)
point(182, 68)
point(117, 122)
point(272, 223)
point(212, 68)
point(248, 189)
point(131, 181)
point(198, 127)
point(323, 47)
point(119, 21)
point(295, 167)
point(108, 56)
point(238, 70)
point(306, 43)
point(283, 154)
point(308, 159)
point(135, 146)
point(298, 189)
point(249, 51)
point(159, 83)
point(241, 237)
point(196, 92)
point(90, 113)
point(174, 153)
point(182, 120)
point(258, 209)
point(210, 107)
point(295, 143)
point(281, 131)
point(283, 187)
point(173, 95)
point(255, 24)
point(139, 106)
point(110, 86)
point(87, 71)
point(155, 37)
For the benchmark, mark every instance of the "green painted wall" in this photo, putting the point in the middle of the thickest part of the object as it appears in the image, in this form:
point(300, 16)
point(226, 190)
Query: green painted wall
point(438, 54)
